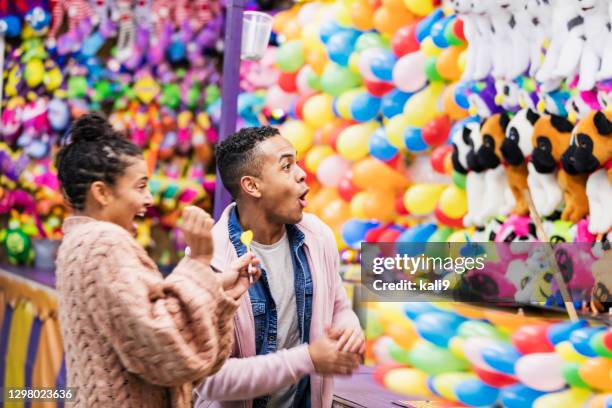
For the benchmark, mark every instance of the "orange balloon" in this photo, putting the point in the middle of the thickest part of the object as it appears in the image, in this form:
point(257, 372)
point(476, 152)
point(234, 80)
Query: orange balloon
point(471, 312)
point(404, 335)
point(596, 373)
point(362, 15)
point(446, 64)
point(448, 164)
point(321, 199)
point(325, 134)
point(317, 61)
point(508, 321)
point(450, 107)
point(380, 205)
point(372, 174)
point(394, 4)
point(281, 19)
point(389, 20)
point(292, 30)
point(335, 213)
point(599, 401)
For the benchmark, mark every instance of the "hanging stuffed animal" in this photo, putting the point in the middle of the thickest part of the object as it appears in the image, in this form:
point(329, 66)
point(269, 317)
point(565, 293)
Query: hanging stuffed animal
point(584, 49)
point(522, 31)
point(162, 35)
point(142, 19)
point(10, 26)
point(605, 71)
point(102, 18)
point(590, 151)
point(515, 148)
point(540, 12)
point(466, 141)
point(500, 18)
point(498, 196)
point(79, 25)
point(565, 19)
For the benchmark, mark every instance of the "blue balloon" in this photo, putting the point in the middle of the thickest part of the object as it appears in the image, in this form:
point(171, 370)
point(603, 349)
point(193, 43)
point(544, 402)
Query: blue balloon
point(414, 309)
point(413, 139)
point(382, 65)
point(393, 103)
point(328, 29)
point(354, 231)
point(424, 26)
point(580, 340)
point(518, 396)
point(438, 327)
point(365, 107)
point(437, 32)
point(501, 357)
point(413, 241)
point(380, 147)
point(476, 393)
point(561, 331)
point(340, 47)
point(12, 26)
point(461, 93)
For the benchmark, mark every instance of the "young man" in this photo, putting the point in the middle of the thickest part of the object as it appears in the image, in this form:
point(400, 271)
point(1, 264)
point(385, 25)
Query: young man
point(295, 329)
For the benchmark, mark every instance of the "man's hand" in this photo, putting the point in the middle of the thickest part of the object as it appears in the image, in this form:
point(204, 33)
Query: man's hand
point(349, 340)
point(327, 360)
point(236, 280)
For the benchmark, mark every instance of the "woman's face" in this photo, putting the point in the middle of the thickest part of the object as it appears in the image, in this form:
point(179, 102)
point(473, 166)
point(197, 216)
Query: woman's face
point(130, 197)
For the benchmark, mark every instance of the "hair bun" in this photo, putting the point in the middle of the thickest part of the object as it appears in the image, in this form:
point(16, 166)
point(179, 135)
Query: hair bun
point(92, 127)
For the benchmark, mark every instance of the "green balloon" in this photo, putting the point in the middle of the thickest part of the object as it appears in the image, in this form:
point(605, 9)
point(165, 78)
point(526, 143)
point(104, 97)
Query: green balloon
point(435, 360)
point(474, 328)
point(459, 179)
point(440, 235)
point(212, 94)
point(450, 36)
point(431, 72)
point(399, 354)
point(290, 56)
point(374, 327)
point(103, 90)
point(598, 346)
point(570, 372)
point(336, 79)
point(370, 40)
point(314, 81)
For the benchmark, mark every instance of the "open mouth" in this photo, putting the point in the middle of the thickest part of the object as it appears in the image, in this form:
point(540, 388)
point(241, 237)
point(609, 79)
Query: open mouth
point(302, 198)
point(138, 218)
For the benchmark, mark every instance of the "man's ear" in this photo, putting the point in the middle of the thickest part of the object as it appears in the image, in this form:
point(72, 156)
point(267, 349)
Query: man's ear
point(250, 186)
point(100, 192)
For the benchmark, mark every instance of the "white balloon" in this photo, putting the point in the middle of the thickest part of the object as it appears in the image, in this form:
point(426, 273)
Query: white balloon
point(308, 13)
point(365, 60)
point(409, 72)
point(332, 169)
point(541, 371)
point(279, 99)
point(472, 349)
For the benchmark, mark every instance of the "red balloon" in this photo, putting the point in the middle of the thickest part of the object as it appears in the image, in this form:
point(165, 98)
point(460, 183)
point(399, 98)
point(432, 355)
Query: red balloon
point(532, 338)
point(373, 234)
point(405, 41)
point(607, 340)
point(446, 220)
point(400, 207)
point(458, 29)
point(435, 132)
point(494, 379)
point(287, 81)
point(381, 371)
point(299, 104)
point(389, 235)
point(438, 155)
point(347, 189)
point(377, 88)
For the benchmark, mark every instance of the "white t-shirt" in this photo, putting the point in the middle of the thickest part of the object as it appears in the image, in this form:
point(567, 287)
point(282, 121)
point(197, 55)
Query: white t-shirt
point(276, 261)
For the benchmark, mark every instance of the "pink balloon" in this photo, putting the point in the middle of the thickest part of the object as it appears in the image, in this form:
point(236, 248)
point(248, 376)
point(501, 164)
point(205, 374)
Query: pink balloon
point(541, 371)
point(302, 80)
point(279, 99)
point(409, 72)
point(365, 59)
point(331, 170)
point(472, 349)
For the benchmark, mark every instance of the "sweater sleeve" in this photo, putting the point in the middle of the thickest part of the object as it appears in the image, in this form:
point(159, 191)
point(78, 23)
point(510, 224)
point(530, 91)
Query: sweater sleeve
point(167, 331)
point(252, 377)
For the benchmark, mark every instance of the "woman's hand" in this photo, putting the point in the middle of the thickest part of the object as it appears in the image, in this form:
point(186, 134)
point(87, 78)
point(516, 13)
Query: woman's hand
point(196, 225)
point(236, 280)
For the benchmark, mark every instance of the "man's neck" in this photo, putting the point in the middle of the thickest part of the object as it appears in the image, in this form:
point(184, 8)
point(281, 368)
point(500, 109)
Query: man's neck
point(253, 218)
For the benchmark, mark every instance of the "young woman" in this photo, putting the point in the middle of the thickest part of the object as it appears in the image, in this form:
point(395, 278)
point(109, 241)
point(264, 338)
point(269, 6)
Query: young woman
point(131, 337)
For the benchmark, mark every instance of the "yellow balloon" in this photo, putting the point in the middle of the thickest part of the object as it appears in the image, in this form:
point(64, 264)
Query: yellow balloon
point(352, 143)
point(421, 199)
point(457, 236)
point(403, 334)
point(462, 60)
point(315, 156)
point(420, 7)
point(407, 381)
point(572, 398)
point(353, 62)
point(34, 72)
point(358, 205)
point(310, 38)
point(318, 110)
point(395, 130)
point(568, 353)
point(343, 105)
point(429, 48)
point(343, 15)
point(446, 382)
point(423, 107)
point(455, 345)
point(299, 134)
point(453, 202)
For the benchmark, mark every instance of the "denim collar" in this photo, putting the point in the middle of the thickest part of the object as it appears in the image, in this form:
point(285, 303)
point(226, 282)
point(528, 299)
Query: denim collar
point(295, 235)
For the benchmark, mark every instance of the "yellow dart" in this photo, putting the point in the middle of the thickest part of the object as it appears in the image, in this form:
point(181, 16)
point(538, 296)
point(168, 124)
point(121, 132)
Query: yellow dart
point(246, 238)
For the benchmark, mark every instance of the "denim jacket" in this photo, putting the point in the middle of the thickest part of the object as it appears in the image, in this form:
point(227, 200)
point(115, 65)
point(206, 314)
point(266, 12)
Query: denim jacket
point(264, 307)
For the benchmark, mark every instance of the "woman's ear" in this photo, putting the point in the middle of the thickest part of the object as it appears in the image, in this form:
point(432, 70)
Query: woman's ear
point(250, 186)
point(100, 193)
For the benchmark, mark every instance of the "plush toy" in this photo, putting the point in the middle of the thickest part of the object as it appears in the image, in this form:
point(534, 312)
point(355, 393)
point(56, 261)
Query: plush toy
point(10, 26)
point(161, 12)
point(502, 31)
point(17, 243)
point(565, 19)
point(590, 152)
point(533, 277)
point(466, 141)
point(508, 95)
point(79, 15)
point(498, 196)
point(605, 71)
point(584, 49)
point(602, 289)
point(143, 21)
point(12, 119)
point(35, 137)
point(481, 98)
point(541, 16)
point(515, 148)
point(522, 34)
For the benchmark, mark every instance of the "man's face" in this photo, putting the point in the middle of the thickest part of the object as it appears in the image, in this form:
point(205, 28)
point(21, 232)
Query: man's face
point(282, 183)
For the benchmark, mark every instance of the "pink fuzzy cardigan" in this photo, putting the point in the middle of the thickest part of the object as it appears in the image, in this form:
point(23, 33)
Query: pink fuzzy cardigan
point(131, 337)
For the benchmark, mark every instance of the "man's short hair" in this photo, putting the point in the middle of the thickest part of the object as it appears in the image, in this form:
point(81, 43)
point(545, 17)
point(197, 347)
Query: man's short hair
point(237, 156)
